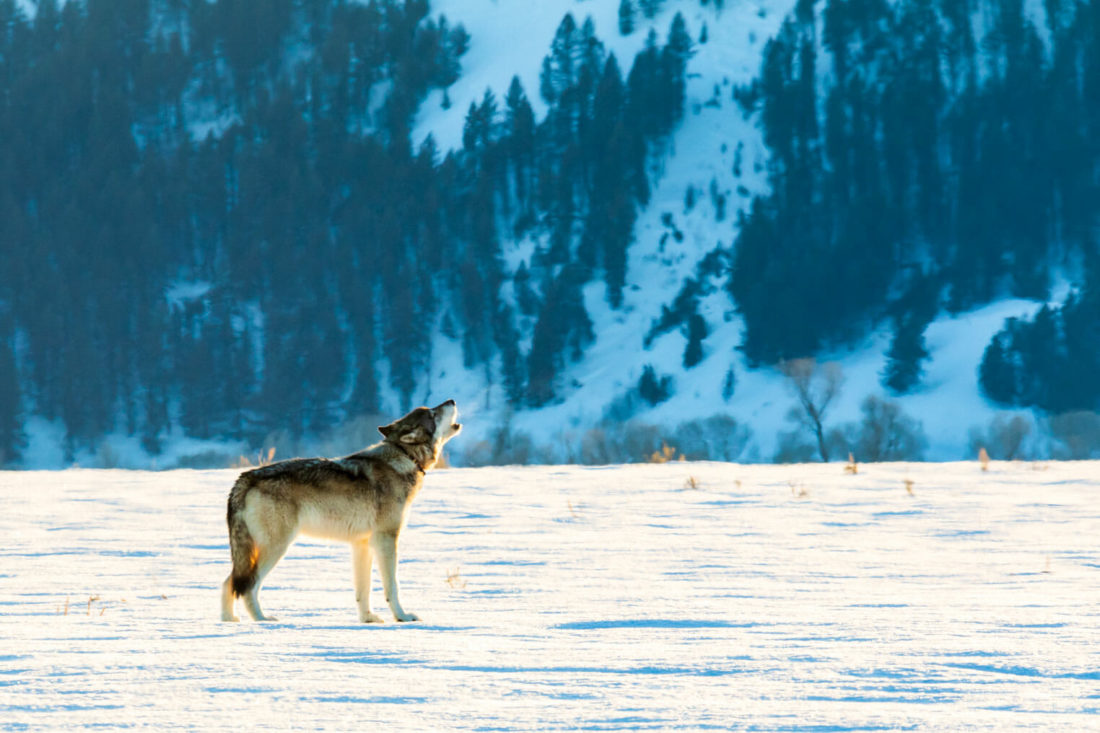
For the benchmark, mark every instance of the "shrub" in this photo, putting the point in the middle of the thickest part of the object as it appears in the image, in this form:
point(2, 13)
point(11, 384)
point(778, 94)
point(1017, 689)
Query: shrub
point(888, 434)
point(793, 447)
point(614, 442)
point(1078, 434)
point(506, 447)
point(1005, 438)
point(715, 438)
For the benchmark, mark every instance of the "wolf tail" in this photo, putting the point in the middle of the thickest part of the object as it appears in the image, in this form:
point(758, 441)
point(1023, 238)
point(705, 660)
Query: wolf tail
point(242, 548)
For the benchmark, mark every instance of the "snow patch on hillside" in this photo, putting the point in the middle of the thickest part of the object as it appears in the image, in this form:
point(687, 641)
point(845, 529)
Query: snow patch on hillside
point(511, 37)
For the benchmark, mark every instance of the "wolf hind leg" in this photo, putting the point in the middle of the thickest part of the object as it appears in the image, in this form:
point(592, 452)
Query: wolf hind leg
point(228, 599)
point(266, 558)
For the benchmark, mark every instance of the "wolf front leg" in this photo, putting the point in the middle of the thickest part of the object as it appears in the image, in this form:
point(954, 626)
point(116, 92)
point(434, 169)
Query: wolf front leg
point(385, 547)
point(360, 565)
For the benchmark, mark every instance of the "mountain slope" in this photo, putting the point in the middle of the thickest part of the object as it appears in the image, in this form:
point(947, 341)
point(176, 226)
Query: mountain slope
point(713, 140)
point(599, 242)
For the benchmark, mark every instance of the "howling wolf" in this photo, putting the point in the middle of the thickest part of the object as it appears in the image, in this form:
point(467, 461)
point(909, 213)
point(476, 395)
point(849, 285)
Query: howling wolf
point(363, 499)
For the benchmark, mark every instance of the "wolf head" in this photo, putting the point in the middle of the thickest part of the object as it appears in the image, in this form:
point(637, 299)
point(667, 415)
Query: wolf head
point(423, 432)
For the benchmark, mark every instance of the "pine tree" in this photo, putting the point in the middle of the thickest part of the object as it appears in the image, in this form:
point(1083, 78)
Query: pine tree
point(471, 130)
point(644, 111)
point(729, 384)
point(696, 332)
point(650, 8)
point(996, 373)
point(11, 437)
point(519, 126)
point(906, 352)
point(626, 17)
point(654, 389)
point(674, 59)
point(560, 335)
point(559, 69)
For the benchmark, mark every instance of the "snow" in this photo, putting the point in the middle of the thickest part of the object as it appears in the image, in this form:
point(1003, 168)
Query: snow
point(768, 598)
point(181, 292)
point(204, 122)
point(510, 38)
point(44, 443)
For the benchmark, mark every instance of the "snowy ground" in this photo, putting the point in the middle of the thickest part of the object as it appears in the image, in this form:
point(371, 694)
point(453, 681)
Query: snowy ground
point(767, 598)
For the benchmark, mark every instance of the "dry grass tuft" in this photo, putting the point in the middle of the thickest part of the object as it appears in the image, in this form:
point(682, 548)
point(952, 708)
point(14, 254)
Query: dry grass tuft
point(455, 579)
point(851, 468)
point(261, 459)
point(692, 483)
point(63, 610)
point(666, 454)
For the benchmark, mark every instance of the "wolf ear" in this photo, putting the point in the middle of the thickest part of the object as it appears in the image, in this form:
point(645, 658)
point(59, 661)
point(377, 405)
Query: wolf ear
point(386, 430)
point(418, 435)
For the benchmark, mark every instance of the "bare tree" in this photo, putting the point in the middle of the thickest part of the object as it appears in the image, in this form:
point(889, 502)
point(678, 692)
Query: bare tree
point(888, 434)
point(815, 386)
point(1079, 434)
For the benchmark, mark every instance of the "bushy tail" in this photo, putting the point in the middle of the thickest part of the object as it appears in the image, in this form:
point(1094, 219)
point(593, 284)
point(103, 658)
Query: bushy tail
point(242, 548)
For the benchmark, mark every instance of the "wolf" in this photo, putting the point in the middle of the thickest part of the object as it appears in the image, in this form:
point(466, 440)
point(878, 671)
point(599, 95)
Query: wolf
point(363, 499)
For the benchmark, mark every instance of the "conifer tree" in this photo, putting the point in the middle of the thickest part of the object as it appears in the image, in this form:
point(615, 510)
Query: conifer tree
point(650, 8)
point(729, 384)
point(996, 374)
point(626, 17)
point(10, 407)
point(696, 332)
point(906, 352)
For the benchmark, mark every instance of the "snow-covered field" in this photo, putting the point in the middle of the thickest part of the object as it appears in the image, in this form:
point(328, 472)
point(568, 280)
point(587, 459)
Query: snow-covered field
point(764, 598)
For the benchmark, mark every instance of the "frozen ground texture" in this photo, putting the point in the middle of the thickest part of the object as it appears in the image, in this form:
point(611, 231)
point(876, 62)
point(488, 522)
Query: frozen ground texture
point(768, 598)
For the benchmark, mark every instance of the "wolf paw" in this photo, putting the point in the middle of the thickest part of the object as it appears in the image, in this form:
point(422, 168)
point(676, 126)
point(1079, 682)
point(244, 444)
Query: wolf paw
point(407, 617)
point(372, 618)
point(231, 619)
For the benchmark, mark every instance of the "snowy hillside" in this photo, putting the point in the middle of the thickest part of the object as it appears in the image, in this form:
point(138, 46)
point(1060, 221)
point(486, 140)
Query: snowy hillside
point(715, 149)
point(322, 215)
point(908, 596)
